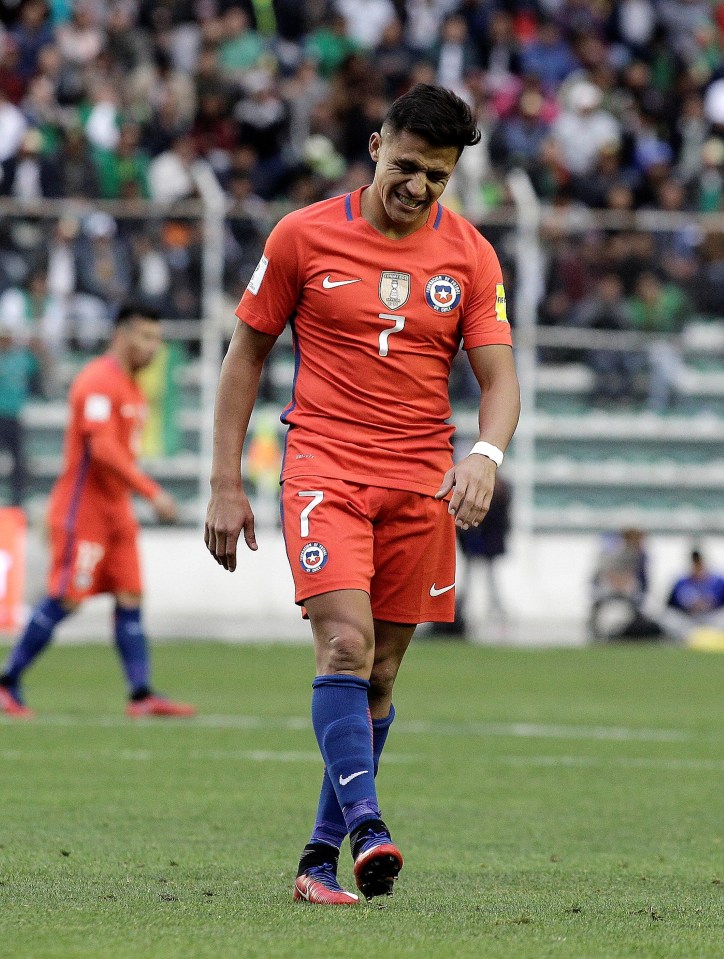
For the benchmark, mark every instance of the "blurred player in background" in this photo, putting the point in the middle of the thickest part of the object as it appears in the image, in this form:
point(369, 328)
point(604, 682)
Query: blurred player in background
point(380, 287)
point(93, 532)
point(481, 548)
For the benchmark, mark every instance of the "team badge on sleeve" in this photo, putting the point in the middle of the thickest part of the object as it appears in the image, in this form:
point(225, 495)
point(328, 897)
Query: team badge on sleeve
point(501, 310)
point(313, 557)
point(442, 293)
point(97, 408)
point(394, 289)
point(258, 275)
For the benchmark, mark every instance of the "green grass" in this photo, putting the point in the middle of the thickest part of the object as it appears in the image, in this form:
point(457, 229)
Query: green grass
point(563, 803)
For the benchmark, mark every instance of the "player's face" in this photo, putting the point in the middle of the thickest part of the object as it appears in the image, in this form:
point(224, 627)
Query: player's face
point(143, 338)
point(410, 176)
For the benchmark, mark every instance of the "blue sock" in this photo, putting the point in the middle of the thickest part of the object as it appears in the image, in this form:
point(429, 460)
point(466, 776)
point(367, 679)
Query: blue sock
point(132, 648)
point(380, 729)
point(341, 720)
point(330, 826)
point(38, 633)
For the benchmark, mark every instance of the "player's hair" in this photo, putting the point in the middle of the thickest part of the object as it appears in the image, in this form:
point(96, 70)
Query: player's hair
point(436, 114)
point(134, 309)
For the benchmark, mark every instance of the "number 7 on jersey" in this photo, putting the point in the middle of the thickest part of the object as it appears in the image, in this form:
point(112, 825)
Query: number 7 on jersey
point(399, 326)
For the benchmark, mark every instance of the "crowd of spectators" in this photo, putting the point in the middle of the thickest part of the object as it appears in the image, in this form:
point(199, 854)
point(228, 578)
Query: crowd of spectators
point(614, 106)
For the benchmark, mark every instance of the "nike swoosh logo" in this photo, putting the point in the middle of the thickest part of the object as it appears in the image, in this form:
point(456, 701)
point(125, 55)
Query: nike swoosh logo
point(329, 284)
point(343, 780)
point(434, 591)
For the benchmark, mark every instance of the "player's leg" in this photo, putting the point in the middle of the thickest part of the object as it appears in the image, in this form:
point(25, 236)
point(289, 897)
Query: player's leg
point(377, 861)
point(36, 636)
point(69, 577)
point(391, 641)
point(414, 579)
point(343, 631)
point(330, 828)
point(414, 558)
point(328, 535)
point(133, 651)
point(131, 643)
point(120, 574)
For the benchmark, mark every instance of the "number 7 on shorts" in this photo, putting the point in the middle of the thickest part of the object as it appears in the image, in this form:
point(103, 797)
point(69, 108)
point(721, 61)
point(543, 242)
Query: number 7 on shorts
point(316, 496)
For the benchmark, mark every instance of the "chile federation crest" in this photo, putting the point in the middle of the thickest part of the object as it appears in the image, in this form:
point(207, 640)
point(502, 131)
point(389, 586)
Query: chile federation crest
point(313, 557)
point(442, 293)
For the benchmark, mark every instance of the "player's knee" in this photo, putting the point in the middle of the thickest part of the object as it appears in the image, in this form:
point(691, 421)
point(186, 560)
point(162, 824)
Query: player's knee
point(383, 679)
point(347, 648)
point(128, 600)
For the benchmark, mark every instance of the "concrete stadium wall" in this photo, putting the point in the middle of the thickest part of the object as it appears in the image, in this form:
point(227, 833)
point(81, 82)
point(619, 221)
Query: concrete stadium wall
point(545, 583)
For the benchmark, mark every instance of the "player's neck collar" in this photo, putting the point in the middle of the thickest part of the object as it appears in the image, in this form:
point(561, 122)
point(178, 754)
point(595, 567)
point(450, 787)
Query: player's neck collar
point(353, 210)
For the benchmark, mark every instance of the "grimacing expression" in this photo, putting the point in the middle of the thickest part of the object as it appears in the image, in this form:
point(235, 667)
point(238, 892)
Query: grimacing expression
point(143, 338)
point(410, 175)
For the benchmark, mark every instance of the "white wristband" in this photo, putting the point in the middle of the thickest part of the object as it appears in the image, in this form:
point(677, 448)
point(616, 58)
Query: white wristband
point(487, 449)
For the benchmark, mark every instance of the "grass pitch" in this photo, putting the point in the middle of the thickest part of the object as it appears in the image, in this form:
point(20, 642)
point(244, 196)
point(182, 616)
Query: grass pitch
point(562, 803)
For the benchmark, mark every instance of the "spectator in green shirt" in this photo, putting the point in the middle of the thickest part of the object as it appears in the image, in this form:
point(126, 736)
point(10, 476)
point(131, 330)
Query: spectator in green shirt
point(330, 45)
point(658, 307)
point(244, 48)
point(123, 169)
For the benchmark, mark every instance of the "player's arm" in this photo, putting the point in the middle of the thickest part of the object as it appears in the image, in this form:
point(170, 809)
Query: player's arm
point(473, 479)
point(229, 511)
point(112, 455)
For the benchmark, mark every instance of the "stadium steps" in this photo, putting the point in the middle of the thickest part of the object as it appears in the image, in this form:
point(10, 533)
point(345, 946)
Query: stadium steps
point(597, 469)
point(573, 378)
point(579, 517)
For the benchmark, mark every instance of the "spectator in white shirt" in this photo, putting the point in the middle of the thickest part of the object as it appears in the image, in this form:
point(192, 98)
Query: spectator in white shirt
point(583, 127)
point(366, 19)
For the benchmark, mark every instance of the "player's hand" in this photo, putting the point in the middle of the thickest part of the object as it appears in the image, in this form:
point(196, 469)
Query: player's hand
point(472, 481)
point(228, 513)
point(165, 507)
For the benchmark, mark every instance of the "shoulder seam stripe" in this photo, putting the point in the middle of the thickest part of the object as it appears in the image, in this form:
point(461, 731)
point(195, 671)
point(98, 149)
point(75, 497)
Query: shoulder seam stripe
point(436, 224)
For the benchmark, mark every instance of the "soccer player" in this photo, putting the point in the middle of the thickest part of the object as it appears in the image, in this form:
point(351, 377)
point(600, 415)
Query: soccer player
point(93, 532)
point(380, 287)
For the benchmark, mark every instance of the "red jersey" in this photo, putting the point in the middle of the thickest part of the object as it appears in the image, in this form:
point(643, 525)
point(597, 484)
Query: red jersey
point(376, 325)
point(105, 401)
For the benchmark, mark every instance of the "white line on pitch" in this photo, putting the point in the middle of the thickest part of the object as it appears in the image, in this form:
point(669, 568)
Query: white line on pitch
point(630, 762)
point(391, 758)
point(542, 731)
point(426, 727)
point(224, 755)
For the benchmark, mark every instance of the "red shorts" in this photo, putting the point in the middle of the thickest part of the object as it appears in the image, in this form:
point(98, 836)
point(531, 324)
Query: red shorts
point(397, 546)
point(93, 555)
